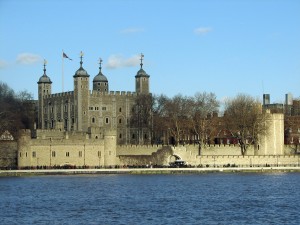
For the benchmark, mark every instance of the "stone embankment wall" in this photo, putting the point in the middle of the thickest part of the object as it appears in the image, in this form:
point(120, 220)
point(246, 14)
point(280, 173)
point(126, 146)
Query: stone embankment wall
point(8, 154)
point(214, 155)
point(98, 153)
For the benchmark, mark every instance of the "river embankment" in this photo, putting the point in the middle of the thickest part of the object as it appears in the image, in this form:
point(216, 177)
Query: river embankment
point(148, 171)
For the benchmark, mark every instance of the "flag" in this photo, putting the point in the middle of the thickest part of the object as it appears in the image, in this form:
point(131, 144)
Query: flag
point(65, 56)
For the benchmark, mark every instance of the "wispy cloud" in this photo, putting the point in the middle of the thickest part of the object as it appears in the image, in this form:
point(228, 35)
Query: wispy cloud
point(119, 61)
point(132, 30)
point(3, 64)
point(28, 58)
point(202, 30)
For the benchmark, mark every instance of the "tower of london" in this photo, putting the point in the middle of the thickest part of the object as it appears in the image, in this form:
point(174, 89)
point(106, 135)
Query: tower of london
point(92, 111)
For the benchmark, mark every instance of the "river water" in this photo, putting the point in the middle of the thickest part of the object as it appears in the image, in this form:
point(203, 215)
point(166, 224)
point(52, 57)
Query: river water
point(214, 198)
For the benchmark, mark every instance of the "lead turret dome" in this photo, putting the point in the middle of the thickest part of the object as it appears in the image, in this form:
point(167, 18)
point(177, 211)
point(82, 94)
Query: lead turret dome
point(44, 78)
point(81, 72)
point(100, 77)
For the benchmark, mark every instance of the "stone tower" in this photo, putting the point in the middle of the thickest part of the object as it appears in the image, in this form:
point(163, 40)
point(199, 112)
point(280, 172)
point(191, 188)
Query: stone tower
point(100, 82)
point(142, 80)
point(273, 142)
point(81, 98)
point(110, 146)
point(44, 86)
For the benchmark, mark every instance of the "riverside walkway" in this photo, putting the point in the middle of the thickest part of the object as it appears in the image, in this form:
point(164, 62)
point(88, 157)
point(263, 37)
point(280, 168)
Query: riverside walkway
point(146, 171)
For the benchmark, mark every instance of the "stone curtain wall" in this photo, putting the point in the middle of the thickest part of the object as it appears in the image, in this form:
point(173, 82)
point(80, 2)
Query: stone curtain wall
point(8, 154)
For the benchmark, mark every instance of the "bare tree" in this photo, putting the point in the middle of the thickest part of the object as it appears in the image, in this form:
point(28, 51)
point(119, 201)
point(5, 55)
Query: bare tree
point(243, 116)
point(141, 118)
point(204, 105)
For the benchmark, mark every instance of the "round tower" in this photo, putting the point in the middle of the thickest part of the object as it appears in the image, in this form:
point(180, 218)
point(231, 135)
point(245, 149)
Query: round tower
point(81, 97)
point(44, 89)
point(142, 80)
point(100, 82)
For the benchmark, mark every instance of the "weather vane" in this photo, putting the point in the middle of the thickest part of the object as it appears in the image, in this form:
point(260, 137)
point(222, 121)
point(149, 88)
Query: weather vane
point(100, 63)
point(142, 57)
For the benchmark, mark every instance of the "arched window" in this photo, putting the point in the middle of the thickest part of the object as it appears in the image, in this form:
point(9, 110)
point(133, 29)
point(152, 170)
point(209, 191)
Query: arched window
point(93, 120)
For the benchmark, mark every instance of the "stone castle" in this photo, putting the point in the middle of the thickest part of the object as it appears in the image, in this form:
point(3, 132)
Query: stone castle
point(91, 111)
point(91, 128)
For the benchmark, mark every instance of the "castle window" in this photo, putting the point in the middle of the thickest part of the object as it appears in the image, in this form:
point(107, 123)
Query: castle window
point(106, 120)
point(53, 154)
point(33, 154)
point(52, 109)
point(67, 154)
point(93, 120)
point(104, 108)
point(120, 109)
point(98, 84)
point(99, 154)
point(105, 84)
point(66, 108)
point(98, 89)
point(120, 136)
point(145, 136)
point(120, 120)
point(91, 108)
point(105, 89)
point(26, 154)
point(133, 136)
point(80, 153)
point(20, 154)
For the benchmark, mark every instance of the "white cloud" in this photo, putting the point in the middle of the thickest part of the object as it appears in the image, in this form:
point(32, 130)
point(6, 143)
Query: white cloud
point(118, 61)
point(202, 30)
point(132, 30)
point(3, 64)
point(28, 58)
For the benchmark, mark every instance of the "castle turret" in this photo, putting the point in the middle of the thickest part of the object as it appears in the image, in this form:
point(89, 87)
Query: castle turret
point(81, 97)
point(100, 82)
point(44, 89)
point(142, 80)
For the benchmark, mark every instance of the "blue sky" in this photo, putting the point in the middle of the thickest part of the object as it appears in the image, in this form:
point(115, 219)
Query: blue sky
point(224, 47)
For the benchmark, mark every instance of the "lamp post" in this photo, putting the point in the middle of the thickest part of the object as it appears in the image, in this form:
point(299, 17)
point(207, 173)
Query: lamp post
point(50, 155)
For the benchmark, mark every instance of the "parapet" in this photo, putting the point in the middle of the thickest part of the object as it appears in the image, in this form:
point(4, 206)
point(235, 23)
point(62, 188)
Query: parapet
point(95, 93)
point(62, 94)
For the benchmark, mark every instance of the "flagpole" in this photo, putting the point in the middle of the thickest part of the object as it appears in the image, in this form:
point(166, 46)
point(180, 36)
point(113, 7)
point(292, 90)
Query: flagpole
point(62, 74)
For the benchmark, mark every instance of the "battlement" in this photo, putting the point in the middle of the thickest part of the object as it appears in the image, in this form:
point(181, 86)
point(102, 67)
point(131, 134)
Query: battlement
point(94, 93)
point(63, 94)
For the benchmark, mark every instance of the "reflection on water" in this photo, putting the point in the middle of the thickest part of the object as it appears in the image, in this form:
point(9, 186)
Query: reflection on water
point(151, 199)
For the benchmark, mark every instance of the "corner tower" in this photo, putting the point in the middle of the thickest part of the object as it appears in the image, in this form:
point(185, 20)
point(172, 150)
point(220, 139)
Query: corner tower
point(142, 80)
point(81, 97)
point(100, 82)
point(44, 89)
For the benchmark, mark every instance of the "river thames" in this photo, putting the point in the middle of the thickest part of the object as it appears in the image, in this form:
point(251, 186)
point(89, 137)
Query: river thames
point(212, 198)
